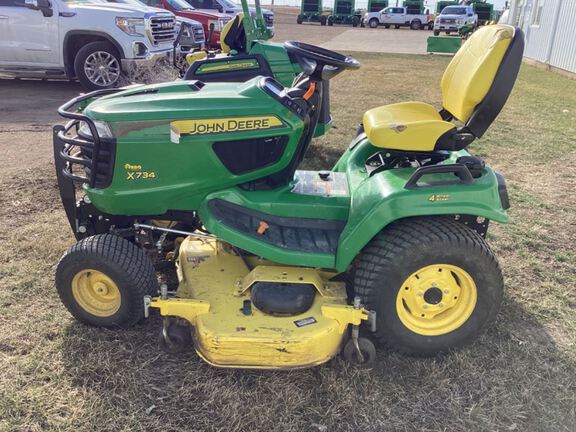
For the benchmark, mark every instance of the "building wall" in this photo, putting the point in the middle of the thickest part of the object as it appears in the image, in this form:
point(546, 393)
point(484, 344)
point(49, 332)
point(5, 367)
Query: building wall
point(553, 40)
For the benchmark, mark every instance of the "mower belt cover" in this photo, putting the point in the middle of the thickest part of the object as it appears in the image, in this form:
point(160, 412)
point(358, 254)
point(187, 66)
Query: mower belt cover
point(214, 296)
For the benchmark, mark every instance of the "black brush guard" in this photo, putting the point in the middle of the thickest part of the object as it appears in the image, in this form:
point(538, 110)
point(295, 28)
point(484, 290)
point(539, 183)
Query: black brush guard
point(95, 156)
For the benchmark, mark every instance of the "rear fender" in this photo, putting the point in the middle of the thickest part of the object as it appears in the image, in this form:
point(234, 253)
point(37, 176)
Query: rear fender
point(381, 199)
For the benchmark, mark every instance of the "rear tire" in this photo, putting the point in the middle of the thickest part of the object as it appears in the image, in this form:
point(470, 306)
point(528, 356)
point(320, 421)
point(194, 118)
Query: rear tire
point(433, 282)
point(436, 32)
point(102, 281)
point(387, 26)
point(299, 19)
point(415, 25)
point(396, 26)
point(323, 20)
point(88, 62)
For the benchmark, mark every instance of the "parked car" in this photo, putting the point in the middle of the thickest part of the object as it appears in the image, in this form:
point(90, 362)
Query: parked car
point(91, 40)
point(231, 8)
point(398, 17)
point(453, 18)
point(189, 33)
point(183, 9)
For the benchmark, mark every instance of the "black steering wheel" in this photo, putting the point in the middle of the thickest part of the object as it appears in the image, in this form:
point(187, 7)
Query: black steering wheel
point(310, 54)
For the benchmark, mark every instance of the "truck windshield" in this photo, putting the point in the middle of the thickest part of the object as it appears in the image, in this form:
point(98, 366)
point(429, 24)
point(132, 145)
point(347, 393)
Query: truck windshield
point(453, 11)
point(180, 5)
point(229, 4)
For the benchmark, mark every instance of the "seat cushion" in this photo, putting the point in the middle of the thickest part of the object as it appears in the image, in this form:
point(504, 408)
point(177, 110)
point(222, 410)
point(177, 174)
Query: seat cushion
point(408, 126)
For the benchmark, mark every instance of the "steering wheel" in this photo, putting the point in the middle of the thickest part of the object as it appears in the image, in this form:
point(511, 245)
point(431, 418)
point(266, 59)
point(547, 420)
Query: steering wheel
point(307, 54)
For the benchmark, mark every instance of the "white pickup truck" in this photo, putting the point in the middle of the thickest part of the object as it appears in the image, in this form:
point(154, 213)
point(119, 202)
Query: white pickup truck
point(398, 17)
point(91, 40)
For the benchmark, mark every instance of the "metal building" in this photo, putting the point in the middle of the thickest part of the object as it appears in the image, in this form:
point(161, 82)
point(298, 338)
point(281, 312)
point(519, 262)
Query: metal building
point(549, 26)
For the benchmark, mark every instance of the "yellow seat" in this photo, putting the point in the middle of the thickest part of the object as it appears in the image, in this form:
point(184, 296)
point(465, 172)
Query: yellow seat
point(475, 87)
point(411, 126)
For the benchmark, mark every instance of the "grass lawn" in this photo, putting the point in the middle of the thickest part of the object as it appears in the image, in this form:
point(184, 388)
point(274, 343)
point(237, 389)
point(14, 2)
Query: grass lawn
point(60, 375)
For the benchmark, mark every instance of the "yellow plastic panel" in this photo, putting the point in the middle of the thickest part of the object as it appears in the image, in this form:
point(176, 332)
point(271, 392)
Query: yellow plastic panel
point(212, 278)
point(471, 72)
point(410, 126)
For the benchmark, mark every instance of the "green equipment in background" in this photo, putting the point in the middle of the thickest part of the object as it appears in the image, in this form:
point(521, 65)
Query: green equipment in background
point(344, 13)
point(415, 7)
point(483, 9)
point(311, 11)
point(376, 5)
point(247, 52)
point(443, 3)
point(443, 44)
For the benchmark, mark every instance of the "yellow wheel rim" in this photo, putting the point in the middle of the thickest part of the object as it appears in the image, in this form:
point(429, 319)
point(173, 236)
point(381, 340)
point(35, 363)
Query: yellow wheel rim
point(96, 293)
point(436, 299)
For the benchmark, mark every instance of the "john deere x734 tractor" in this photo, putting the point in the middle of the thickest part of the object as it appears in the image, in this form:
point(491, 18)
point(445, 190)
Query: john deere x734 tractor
point(280, 267)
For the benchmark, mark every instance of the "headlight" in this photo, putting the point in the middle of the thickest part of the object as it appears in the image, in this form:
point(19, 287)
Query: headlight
point(131, 26)
point(102, 128)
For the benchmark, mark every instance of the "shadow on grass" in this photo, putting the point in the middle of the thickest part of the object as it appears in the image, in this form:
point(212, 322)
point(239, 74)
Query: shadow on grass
point(511, 378)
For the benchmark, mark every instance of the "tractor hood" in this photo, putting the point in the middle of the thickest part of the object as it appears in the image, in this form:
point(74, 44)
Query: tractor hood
point(146, 110)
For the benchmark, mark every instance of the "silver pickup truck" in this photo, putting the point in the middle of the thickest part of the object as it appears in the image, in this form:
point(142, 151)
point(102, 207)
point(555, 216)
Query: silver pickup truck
point(398, 17)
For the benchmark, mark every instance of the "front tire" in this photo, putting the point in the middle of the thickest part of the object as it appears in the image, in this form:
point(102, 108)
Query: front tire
point(436, 32)
point(97, 66)
point(373, 23)
point(434, 283)
point(102, 281)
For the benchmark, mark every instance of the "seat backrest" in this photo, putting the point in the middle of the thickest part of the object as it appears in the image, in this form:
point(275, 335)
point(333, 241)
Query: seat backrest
point(480, 77)
point(233, 36)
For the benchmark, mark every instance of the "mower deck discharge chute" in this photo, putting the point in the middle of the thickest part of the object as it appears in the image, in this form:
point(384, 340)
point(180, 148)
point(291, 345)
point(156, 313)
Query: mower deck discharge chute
point(280, 267)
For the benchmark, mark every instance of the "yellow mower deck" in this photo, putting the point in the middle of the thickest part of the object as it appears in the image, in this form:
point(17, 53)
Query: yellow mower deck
point(214, 283)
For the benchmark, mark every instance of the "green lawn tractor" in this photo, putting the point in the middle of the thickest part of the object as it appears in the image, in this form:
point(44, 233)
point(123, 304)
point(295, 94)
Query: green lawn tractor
point(311, 11)
point(344, 13)
point(246, 52)
point(279, 267)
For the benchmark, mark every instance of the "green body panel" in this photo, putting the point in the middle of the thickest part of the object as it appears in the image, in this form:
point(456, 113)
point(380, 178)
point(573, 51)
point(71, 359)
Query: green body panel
point(381, 199)
point(282, 67)
point(376, 5)
point(184, 172)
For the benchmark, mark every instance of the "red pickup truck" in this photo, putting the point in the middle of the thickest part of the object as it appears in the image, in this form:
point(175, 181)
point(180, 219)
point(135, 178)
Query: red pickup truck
point(183, 9)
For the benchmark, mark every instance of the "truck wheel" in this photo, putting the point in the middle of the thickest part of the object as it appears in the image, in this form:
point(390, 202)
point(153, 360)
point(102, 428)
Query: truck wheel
point(330, 21)
point(433, 282)
point(102, 281)
point(373, 23)
point(355, 21)
point(299, 19)
point(323, 20)
point(436, 32)
point(415, 25)
point(97, 66)
point(396, 26)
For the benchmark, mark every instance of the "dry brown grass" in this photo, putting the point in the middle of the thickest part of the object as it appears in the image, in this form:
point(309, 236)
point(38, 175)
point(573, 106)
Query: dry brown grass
point(60, 375)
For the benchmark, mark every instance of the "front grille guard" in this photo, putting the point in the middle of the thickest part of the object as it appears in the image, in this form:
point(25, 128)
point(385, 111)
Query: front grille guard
point(91, 150)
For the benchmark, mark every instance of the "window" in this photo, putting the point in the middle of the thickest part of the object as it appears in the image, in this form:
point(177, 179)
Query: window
point(537, 12)
point(398, 10)
point(12, 3)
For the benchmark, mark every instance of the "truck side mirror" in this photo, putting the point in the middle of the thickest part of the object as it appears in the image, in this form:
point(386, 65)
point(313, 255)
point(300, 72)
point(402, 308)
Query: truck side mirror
point(41, 5)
